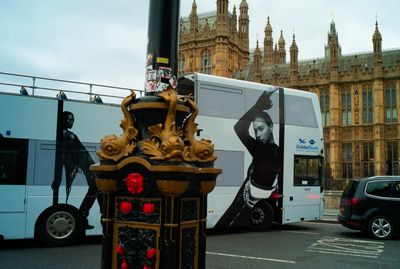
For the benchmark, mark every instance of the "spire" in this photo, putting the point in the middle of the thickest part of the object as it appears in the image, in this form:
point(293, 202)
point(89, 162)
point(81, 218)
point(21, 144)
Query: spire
point(244, 25)
point(377, 44)
point(194, 20)
point(268, 44)
point(281, 41)
point(377, 35)
point(333, 28)
point(234, 20)
point(332, 34)
point(294, 52)
point(257, 50)
point(257, 58)
point(333, 50)
point(268, 28)
point(281, 49)
point(222, 17)
point(294, 45)
point(244, 4)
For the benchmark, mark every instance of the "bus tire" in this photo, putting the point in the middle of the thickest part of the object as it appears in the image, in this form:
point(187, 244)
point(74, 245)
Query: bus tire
point(262, 215)
point(60, 225)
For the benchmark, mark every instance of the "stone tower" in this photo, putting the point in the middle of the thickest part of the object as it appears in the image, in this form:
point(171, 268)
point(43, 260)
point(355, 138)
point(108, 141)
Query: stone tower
point(215, 42)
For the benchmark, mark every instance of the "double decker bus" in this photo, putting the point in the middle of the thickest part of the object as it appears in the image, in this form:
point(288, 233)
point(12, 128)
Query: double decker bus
point(268, 141)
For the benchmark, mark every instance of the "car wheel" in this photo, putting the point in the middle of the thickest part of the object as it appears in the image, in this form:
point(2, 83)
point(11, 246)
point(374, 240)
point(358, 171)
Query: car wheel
point(380, 227)
point(262, 215)
point(60, 225)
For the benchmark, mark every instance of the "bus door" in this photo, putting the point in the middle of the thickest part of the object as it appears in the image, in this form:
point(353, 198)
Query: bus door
point(13, 171)
point(305, 195)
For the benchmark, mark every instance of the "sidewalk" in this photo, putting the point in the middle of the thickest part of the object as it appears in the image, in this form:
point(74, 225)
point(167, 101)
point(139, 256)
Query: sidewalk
point(330, 215)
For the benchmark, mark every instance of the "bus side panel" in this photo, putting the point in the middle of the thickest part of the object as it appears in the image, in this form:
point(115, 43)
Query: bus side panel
point(28, 117)
point(94, 121)
point(218, 202)
point(228, 184)
point(12, 211)
point(12, 198)
point(40, 193)
point(12, 225)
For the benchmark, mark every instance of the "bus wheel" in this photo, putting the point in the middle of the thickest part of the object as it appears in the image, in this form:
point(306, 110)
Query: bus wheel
point(60, 225)
point(262, 215)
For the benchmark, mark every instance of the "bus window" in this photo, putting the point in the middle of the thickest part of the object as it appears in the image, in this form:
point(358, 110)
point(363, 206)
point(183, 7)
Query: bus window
point(299, 111)
point(307, 170)
point(232, 163)
point(220, 101)
point(13, 161)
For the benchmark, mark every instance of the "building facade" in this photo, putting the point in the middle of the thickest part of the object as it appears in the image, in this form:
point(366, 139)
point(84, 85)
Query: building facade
point(359, 93)
point(359, 98)
point(215, 42)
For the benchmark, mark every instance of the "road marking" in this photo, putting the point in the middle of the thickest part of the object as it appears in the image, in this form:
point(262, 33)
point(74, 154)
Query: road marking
point(349, 247)
point(345, 254)
point(248, 257)
point(296, 232)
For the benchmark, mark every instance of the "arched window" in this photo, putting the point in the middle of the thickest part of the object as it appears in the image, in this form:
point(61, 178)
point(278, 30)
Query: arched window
point(368, 115)
point(181, 65)
point(392, 160)
point(346, 108)
point(347, 159)
point(206, 62)
point(391, 103)
point(324, 103)
point(368, 159)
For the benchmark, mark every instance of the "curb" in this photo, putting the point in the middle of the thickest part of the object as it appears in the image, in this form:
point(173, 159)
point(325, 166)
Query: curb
point(331, 221)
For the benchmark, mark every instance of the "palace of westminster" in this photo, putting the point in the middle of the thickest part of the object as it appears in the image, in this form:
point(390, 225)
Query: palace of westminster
point(358, 93)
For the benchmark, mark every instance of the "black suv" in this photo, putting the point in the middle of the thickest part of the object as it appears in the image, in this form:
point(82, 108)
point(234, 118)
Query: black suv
point(372, 205)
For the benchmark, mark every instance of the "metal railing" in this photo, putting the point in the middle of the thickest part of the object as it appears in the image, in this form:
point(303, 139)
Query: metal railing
point(55, 88)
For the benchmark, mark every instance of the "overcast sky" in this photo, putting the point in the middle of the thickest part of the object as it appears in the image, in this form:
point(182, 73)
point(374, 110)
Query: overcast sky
point(103, 41)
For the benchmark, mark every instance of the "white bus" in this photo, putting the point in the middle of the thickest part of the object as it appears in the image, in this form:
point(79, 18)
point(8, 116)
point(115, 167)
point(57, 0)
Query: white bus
point(42, 197)
point(255, 188)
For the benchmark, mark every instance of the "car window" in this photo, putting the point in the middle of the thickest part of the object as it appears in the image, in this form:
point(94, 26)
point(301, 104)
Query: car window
point(379, 188)
point(396, 189)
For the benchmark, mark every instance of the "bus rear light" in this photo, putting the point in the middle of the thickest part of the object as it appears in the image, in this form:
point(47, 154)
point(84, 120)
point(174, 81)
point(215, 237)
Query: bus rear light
point(313, 196)
point(275, 195)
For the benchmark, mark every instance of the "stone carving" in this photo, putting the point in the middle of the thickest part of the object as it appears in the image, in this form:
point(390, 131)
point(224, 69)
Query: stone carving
point(115, 148)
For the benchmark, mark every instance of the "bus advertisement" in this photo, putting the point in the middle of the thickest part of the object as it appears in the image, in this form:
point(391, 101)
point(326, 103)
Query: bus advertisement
point(268, 141)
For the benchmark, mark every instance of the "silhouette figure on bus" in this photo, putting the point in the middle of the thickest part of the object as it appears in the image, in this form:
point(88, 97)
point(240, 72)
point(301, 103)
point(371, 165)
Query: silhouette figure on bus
point(262, 174)
point(74, 158)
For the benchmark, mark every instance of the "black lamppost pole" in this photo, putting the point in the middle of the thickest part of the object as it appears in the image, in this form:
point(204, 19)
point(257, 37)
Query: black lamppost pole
point(156, 176)
point(162, 47)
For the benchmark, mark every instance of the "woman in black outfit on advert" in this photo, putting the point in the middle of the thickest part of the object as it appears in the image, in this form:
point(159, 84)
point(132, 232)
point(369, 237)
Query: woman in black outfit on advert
point(262, 174)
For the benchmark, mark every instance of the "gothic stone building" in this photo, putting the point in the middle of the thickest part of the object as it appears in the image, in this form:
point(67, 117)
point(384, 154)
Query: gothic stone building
point(216, 42)
point(359, 95)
